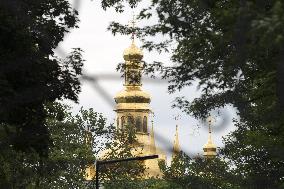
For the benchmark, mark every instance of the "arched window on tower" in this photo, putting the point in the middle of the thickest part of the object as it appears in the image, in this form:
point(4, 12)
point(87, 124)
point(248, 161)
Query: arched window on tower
point(130, 121)
point(138, 124)
point(145, 124)
point(122, 122)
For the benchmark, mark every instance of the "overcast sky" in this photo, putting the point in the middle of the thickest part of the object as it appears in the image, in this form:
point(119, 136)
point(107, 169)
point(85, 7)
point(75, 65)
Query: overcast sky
point(103, 51)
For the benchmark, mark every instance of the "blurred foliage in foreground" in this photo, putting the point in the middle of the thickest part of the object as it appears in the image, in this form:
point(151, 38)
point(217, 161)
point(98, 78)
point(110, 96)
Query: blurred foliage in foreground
point(30, 73)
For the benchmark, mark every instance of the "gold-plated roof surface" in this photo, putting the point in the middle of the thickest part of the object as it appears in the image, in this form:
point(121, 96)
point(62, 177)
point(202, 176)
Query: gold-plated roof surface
point(132, 53)
point(210, 144)
point(132, 106)
point(132, 93)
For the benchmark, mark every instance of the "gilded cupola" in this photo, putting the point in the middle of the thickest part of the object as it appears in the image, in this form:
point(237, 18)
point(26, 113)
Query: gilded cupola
point(133, 53)
point(132, 95)
point(210, 149)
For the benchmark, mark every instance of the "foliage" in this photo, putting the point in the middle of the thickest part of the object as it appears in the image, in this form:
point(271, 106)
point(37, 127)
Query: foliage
point(185, 172)
point(234, 50)
point(30, 74)
point(123, 144)
point(69, 155)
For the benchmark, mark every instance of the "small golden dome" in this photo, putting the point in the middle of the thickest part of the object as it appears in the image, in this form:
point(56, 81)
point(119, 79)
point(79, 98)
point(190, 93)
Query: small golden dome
point(210, 149)
point(132, 53)
point(209, 145)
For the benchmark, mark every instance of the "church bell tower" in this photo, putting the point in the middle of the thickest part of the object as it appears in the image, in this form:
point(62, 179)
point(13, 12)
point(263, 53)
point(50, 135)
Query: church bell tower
point(132, 103)
point(133, 109)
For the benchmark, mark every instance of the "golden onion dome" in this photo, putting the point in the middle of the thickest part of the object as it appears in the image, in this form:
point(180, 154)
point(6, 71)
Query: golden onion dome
point(132, 53)
point(210, 145)
point(210, 149)
point(132, 95)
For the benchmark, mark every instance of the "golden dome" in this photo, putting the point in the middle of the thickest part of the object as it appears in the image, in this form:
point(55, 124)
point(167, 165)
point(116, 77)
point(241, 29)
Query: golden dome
point(210, 145)
point(210, 148)
point(132, 53)
point(132, 95)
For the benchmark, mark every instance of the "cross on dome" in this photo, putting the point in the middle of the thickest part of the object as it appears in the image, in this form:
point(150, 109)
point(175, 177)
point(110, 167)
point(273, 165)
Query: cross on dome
point(132, 24)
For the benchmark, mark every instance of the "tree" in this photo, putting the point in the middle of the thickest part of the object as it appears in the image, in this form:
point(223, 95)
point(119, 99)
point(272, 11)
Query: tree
point(78, 140)
point(234, 50)
point(122, 144)
point(69, 155)
point(186, 173)
point(199, 173)
point(30, 74)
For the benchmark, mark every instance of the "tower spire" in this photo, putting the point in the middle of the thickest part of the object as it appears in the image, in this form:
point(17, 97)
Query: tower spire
point(176, 147)
point(209, 129)
point(210, 149)
point(152, 139)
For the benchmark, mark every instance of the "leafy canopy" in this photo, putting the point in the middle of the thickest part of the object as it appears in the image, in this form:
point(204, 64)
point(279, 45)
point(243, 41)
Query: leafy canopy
point(30, 74)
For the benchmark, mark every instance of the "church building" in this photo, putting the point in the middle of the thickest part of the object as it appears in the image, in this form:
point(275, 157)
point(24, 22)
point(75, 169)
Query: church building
point(133, 109)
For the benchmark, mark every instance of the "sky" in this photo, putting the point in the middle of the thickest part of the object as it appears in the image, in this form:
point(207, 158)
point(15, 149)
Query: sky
point(102, 53)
